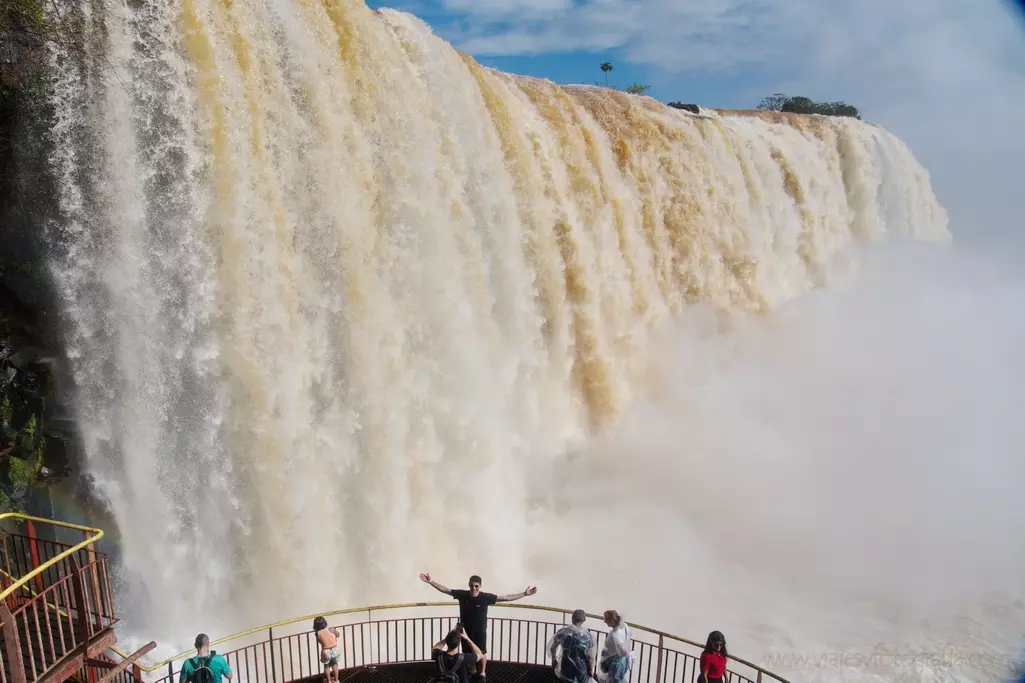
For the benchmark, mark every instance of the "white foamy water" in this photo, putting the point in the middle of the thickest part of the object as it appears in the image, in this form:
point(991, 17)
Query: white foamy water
point(337, 299)
point(834, 486)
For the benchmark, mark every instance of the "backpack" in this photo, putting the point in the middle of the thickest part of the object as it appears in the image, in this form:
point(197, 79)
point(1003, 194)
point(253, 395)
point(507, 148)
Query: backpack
point(449, 675)
point(201, 672)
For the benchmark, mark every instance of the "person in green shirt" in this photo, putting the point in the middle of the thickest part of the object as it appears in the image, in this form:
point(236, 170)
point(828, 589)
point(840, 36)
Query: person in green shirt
point(206, 667)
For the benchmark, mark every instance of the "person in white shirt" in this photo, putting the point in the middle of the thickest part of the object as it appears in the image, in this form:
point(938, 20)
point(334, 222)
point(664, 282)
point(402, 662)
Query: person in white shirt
point(617, 657)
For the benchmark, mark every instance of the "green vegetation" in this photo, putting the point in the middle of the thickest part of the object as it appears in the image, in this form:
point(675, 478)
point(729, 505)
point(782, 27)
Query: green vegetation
point(24, 388)
point(637, 89)
point(22, 459)
point(25, 27)
point(633, 88)
point(23, 21)
point(804, 105)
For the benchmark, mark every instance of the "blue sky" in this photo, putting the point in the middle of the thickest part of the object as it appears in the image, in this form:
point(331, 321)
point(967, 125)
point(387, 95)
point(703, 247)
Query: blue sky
point(947, 76)
point(742, 89)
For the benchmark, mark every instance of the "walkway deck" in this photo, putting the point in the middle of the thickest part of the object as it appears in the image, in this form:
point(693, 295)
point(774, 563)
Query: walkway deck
point(423, 672)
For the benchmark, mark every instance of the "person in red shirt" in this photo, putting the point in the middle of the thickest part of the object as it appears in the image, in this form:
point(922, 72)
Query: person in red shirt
point(713, 659)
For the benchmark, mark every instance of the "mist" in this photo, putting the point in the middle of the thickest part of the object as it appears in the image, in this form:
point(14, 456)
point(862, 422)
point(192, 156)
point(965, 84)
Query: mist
point(841, 475)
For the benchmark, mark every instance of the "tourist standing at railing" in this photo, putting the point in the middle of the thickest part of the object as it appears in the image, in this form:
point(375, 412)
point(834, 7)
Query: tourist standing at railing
point(206, 667)
point(455, 666)
point(473, 607)
point(713, 659)
point(329, 651)
point(617, 657)
point(572, 651)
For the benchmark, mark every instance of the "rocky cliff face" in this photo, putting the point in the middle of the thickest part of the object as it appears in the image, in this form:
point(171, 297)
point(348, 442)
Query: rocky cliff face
point(35, 433)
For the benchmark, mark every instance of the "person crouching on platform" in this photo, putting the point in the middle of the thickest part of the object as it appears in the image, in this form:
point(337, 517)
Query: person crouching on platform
point(455, 666)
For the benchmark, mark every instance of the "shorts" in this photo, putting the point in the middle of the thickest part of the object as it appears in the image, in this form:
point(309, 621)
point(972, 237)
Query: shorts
point(329, 657)
point(479, 638)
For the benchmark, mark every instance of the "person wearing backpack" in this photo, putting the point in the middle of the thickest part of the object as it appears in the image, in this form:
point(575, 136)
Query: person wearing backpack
point(455, 666)
point(572, 651)
point(206, 667)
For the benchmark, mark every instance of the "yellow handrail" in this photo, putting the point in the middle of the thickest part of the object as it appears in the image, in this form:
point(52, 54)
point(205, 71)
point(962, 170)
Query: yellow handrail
point(97, 535)
point(406, 605)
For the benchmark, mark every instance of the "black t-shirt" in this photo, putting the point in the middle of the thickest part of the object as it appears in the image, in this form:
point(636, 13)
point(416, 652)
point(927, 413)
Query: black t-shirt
point(473, 611)
point(469, 662)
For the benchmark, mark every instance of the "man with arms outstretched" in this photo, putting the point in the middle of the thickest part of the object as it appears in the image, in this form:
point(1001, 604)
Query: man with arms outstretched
point(473, 607)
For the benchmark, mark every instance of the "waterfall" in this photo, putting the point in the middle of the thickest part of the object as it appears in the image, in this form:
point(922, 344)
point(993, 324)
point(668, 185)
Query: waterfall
point(331, 290)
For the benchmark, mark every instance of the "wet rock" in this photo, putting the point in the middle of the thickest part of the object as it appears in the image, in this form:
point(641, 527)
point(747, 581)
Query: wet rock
point(23, 356)
point(692, 108)
point(56, 457)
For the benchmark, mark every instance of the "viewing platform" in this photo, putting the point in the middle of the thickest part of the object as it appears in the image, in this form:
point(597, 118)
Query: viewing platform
point(392, 644)
point(57, 623)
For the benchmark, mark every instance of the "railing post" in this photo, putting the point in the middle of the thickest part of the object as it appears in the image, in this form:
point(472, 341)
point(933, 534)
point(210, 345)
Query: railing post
point(10, 631)
point(33, 549)
point(758, 679)
point(82, 605)
point(90, 554)
point(273, 668)
point(658, 664)
point(7, 578)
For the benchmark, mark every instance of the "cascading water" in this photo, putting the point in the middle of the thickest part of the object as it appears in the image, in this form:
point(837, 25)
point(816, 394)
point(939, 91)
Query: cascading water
point(335, 295)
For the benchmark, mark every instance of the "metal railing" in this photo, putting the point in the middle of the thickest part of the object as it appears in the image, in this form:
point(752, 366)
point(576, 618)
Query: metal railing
point(287, 650)
point(56, 598)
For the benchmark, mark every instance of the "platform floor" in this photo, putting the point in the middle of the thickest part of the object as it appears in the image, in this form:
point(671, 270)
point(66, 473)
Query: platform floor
point(423, 672)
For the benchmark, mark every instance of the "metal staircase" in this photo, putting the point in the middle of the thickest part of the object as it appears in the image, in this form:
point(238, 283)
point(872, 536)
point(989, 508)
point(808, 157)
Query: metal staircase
point(56, 606)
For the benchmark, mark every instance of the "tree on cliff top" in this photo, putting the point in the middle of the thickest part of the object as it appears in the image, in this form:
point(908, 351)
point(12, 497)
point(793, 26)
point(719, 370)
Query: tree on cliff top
point(804, 105)
point(606, 67)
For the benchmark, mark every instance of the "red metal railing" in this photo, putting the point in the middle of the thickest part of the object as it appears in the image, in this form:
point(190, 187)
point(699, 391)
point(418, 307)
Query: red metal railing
point(281, 658)
point(102, 664)
point(21, 553)
point(55, 599)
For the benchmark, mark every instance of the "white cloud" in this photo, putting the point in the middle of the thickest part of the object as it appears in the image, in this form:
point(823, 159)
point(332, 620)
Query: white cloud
point(500, 9)
point(521, 28)
point(948, 76)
